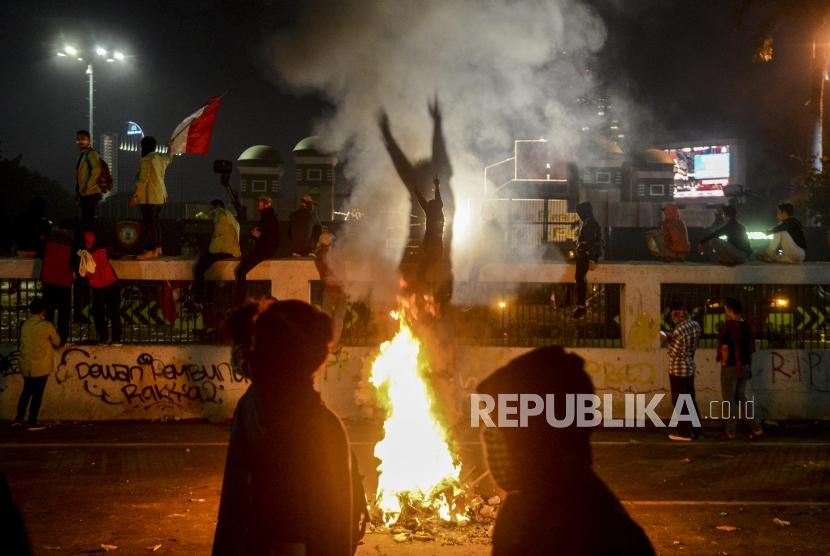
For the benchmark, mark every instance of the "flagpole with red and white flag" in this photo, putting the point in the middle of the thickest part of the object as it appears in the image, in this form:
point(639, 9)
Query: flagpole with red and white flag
point(193, 135)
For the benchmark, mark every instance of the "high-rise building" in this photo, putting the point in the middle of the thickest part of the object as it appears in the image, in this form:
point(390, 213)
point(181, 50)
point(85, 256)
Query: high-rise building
point(108, 149)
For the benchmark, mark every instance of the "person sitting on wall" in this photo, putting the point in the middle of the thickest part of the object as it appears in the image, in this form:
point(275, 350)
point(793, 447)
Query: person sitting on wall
point(671, 242)
point(735, 249)
point(224, 244)
point(303, 228)
point(556, 503)
point(286, 445)
point(787, 237)
point(267, 241)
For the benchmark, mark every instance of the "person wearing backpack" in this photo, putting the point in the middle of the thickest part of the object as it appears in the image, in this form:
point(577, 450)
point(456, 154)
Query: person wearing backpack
point(87, 171)
point(150, 195)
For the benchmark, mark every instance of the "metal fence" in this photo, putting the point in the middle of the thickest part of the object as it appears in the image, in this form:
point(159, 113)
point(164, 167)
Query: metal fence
point(791, 316)
point(157, 312)
point(510, 315)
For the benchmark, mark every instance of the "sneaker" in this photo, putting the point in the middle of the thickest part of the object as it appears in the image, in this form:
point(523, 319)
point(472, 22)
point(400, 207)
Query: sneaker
point(16, 424)
point(679, 438)
point(579, 312)
point(35, 427)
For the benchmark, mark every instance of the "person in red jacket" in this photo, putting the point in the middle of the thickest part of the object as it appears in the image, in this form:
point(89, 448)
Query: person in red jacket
point(671, 242)
point(57, 276)
point(106, 293)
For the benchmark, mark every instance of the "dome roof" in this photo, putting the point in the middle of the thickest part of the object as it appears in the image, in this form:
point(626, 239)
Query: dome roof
point(260, 155)
point(656, 156)
point(309, 146)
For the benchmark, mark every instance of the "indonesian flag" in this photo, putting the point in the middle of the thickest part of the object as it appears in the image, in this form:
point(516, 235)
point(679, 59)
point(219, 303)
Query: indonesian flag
point(193, 134)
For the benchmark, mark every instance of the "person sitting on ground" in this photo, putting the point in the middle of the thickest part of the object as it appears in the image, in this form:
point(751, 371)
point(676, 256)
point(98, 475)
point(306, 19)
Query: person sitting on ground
point(735, 249)
point(267, 241)
point(224, 244)
point(38, 340)
point(556, 503)
point(285, 445)
point(671, 242)
point(303, 228)
point(736, 344)
point(788, 237)
point(95, 266)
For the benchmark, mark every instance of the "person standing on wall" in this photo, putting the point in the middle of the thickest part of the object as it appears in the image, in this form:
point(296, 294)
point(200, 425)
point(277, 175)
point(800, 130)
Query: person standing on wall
point(335, 298)
point(87, 170)
point(150, 195)
point(267, 241)
point(588, 250)
point(303, 228)
point(681, 344)
point(38, 340)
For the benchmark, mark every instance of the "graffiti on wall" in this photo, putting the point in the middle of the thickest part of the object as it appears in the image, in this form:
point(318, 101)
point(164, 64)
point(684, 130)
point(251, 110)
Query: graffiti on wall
point(9, 365)
point(148, 382)
point(623, 376)
point(805, 368)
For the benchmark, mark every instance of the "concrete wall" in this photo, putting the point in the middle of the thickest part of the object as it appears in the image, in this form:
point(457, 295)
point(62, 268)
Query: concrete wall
point(153, 382)
point(149, 382)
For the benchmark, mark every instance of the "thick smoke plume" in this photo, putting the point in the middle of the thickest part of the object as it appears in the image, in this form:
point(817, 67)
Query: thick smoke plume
point(503, 70)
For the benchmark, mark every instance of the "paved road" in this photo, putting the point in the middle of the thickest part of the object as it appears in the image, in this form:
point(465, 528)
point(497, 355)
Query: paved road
point(136, 486)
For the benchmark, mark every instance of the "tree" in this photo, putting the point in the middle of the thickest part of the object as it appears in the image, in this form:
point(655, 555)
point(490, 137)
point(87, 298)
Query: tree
point(814, 17)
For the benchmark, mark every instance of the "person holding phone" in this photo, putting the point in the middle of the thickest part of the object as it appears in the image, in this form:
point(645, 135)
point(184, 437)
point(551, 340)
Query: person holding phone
point(681, 344)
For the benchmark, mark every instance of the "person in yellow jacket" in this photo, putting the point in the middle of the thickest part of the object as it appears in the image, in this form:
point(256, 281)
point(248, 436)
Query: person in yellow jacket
point(150, 194)
point(87, 170)
point(224, 244)
point(38, 338)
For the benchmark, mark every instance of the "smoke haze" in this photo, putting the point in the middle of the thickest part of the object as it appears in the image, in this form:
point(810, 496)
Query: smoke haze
point(503, 70)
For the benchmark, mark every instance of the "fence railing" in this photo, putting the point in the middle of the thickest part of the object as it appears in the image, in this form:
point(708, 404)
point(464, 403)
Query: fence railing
point(783, 316)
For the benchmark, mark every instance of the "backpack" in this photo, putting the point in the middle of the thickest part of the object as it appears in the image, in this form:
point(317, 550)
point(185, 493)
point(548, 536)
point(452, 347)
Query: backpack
point(105, 178)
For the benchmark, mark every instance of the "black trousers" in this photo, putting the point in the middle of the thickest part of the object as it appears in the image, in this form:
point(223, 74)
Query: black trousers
point(106, 306)
point(580, 276)
point(247, 264)
point(205, 261)
point(33, 387)
point(58, 299)
point(88, 204)
point(684, 385)
point(152, 228)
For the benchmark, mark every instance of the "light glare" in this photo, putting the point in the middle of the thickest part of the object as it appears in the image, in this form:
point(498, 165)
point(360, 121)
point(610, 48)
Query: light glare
point(71, 50)
point(118, 55)
point(101, 51)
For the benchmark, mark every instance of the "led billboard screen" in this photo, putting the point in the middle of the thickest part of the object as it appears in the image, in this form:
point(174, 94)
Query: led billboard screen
point(701, 171)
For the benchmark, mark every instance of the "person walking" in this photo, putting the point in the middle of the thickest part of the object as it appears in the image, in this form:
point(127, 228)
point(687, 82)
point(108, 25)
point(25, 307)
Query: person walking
point(735, 249)
point(736, 344)
point(266, 242)
point(303, 228)
point(150, 194)
point(224, 244)
point(106, 293)
point(588, 250)
point(788, 237)
point(87, 170)
point(38, 340)
point(681, 345)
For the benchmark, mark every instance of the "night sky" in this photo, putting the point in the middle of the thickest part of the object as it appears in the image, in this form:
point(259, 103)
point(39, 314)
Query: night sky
point(684, 68)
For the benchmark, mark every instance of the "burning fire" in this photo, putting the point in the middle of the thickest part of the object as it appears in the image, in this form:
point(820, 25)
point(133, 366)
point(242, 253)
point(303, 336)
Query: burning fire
point(418, 472)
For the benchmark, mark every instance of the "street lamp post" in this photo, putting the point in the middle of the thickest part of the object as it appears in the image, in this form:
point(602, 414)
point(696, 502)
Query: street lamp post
point(104, 54)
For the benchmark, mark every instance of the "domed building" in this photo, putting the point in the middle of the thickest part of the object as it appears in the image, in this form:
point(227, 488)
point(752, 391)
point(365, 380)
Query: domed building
point(314, 175)
point(260, 173)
